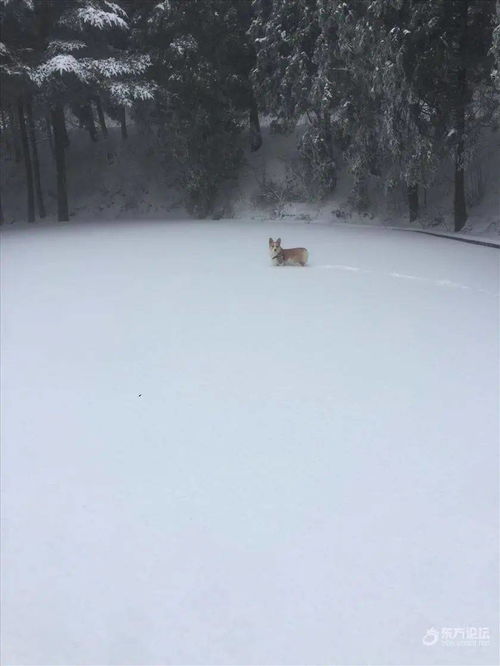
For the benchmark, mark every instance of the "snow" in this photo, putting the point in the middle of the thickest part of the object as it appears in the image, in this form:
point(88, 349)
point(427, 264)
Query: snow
point(101, 19)
point(112, 67)
point(85, 68)
point(125, 93)
point(116, 179)
point(210, 460)
point(65, 46)
point(59, 64)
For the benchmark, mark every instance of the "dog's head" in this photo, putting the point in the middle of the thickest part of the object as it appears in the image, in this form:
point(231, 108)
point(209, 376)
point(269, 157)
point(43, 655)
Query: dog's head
point(274, 247)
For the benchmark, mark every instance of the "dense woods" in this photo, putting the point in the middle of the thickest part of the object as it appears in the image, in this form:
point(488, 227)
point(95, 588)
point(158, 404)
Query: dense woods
point(396, 87)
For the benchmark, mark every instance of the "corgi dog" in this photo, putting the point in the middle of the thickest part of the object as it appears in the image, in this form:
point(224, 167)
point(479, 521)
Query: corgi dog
point(295, 256)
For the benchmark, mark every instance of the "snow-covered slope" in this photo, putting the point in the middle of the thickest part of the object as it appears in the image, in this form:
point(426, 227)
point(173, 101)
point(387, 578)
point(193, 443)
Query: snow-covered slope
point(209, 460)
point(116, 179)
point(111, 179)
point(278, 154)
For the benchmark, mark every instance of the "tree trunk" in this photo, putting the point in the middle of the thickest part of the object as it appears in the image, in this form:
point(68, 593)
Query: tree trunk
point(5, 138)
point(14, 130)
point(100, 115)
point(255, 133)
point(4, 141)
point(123, 123)
point(460, 207)
point(327, 146)
point(359, 194)
point(64, 131)
point(60, 144)
point(88, 115)
point(36, 162)
point(27, 161)
point(50, 138)
point(413, 202)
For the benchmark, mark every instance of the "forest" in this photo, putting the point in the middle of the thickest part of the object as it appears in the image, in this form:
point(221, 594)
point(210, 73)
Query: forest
point(398, 88)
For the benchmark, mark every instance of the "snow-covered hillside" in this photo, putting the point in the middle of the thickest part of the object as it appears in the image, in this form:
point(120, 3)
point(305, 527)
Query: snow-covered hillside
point(116, 179)
point(209, 460)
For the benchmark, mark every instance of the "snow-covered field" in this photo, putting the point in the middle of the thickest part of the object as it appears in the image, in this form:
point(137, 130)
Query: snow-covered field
point(209, 460)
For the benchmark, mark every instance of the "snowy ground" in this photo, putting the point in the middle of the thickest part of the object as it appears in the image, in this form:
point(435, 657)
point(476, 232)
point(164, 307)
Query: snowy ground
point(208, 460)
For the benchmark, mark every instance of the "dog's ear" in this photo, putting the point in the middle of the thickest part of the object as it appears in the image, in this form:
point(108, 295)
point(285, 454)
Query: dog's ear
point(278, 241)
point(270, 241)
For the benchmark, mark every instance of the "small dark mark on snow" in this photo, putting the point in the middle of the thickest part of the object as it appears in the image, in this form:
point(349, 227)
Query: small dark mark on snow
point(140, 395)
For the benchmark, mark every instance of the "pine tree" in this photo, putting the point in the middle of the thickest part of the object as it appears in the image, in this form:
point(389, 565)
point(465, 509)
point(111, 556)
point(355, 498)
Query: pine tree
point(81, 61)
point(16, 63)
point(398, 83)
point(287, 73)
point(461, 91)
point(285, 35)
point(36, 161)
point(198, 73)
point(398, 77)
point(495, 48)
point(344, 85)
point(27, 160)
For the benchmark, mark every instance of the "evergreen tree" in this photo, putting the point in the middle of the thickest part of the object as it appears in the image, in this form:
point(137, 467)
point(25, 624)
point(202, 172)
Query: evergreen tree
point(345, 86)
point(80, 63)
point(460, 87)
point(401, 56)
point(16, 64)
point(285, 35)
point(495, 48)
point(399, 84)
point(287, 72)
point(198, 55)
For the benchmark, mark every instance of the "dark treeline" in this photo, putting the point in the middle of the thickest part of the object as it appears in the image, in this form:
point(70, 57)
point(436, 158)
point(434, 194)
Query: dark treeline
point(398, 87)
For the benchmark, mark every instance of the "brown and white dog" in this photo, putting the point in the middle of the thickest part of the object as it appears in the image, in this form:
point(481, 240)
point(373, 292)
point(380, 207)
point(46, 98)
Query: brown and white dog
point(295, 256)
